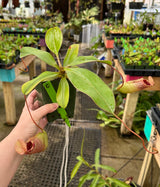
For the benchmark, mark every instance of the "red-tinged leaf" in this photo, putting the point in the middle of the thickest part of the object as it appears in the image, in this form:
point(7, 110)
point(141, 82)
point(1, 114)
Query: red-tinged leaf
point(71, 54)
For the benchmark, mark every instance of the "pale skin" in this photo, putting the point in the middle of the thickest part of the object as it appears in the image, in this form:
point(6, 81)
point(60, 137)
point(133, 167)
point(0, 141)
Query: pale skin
point(25, 129)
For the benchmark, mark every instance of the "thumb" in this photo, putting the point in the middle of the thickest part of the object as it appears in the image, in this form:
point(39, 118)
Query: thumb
point(44, 110)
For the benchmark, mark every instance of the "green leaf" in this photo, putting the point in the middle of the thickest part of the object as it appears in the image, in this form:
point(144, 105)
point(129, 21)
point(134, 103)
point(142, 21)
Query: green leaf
point(101, 115)
point(105, 167)
point(102, 183)
point(71, 54)
point(80, 158)
point(43, 55)
point(63, 93)
point(84, 178)
point(75, 169)
point(117, 182)
point(53, 39)
point(95, 181)
point(97, 155)
point(85, 59)
point(92, 85)
point(45, 76)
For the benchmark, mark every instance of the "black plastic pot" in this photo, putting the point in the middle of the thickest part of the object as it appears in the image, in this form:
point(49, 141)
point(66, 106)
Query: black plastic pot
point(156, 117)
point(37, 4)
point(46, 99)
point(27, 4)
point(148, 25)
point(135, 5)
point(117, 6)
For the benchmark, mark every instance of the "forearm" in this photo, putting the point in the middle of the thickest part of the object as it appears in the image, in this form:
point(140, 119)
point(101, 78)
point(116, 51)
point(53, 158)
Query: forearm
point(9, 158)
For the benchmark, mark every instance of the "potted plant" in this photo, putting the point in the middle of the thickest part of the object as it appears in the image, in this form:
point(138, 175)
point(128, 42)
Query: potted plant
point(148, 20)
point(74, 27)
point(82, 79)
point(10, 54)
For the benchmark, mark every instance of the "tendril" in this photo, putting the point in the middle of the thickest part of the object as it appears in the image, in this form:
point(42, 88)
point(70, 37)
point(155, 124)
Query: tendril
point(155, 150)
point(31, 114)
point(26, 68)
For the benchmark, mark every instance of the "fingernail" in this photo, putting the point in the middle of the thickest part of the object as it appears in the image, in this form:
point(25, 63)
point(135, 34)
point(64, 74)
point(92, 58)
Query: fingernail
point(56, 105)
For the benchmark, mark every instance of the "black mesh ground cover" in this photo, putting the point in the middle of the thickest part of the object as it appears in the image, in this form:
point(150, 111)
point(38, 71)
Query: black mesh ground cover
point(43, 169)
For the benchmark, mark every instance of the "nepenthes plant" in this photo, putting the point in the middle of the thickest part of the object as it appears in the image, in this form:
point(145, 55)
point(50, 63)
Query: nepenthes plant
point(68, 71)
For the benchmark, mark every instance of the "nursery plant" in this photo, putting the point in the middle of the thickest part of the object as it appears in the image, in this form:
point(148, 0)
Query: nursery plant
point(10, 47)
point(142, 52)
point(67, 72)
point(94, 175)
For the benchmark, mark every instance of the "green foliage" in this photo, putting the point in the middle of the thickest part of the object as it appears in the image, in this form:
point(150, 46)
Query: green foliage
point(10, 43)
point(147, 18)
point(82, 79)
point(145, 102)
point(143, 51)
point(109, 119)
point(94, 176)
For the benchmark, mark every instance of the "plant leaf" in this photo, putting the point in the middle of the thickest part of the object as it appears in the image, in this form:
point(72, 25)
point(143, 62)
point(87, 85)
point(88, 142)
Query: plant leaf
point(75, 169)
point(105, 167)
point(80, 158)
point(53, 39)
point(97, 155)
point(71, 54)
point(45, 76)
point(84, 59)
point(84, 178)
point(63, 93)
point(92, 85)
point(117, 182)
point(95, 181)
point(43, 55)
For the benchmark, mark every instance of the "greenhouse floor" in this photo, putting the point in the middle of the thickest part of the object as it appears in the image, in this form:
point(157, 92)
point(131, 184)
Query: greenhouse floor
point(124, 153)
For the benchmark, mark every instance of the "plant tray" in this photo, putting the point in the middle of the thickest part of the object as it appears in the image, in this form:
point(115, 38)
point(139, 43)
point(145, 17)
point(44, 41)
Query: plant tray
point(7, 75)
point(156, 117)
point(134, 71)
point(117, 6)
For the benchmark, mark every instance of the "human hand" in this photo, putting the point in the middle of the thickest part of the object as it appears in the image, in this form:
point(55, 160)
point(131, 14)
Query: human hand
point(26, 126)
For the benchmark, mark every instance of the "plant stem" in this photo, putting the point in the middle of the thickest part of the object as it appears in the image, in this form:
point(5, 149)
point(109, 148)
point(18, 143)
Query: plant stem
point(59, 62)
point(94, 170)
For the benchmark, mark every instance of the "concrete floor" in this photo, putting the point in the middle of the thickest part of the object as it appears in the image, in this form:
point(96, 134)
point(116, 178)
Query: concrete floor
point(116, 150)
